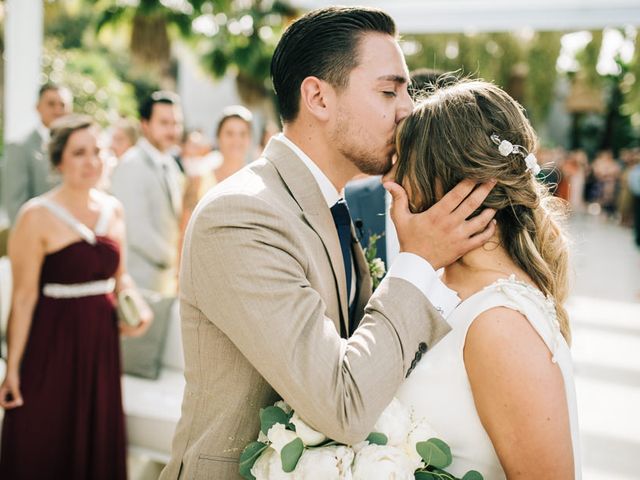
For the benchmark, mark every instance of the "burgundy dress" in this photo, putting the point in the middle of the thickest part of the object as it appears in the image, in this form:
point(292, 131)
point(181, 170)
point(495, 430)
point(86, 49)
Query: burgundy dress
point(71, 425)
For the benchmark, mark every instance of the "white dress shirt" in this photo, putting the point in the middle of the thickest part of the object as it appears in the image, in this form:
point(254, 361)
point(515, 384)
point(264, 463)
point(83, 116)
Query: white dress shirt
point(407, 266)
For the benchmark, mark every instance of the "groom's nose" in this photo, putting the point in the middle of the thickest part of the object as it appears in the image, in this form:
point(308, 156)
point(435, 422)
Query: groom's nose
point(405, 105)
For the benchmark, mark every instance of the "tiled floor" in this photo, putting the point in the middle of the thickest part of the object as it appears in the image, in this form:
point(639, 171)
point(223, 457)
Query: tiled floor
point(605, 313)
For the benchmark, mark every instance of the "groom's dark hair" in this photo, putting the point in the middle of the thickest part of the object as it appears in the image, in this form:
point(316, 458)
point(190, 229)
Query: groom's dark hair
point(323, 44)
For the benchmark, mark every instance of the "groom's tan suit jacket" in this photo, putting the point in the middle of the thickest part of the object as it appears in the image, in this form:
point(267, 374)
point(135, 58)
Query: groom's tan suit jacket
point(263, 297)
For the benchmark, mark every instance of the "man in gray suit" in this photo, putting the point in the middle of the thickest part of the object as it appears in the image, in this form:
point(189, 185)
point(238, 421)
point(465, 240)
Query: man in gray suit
point(27, 171)
point(275, 293)
point(149, 184)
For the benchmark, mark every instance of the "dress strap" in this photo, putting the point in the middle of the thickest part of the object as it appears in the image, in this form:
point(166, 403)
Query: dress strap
point(63, 214)
point(509, 292)
point(102, 226)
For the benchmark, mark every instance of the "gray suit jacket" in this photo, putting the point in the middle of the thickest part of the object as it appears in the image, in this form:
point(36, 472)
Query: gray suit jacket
point(27, 173)
point(263, 297)
point(152, 211)
point(366, 201)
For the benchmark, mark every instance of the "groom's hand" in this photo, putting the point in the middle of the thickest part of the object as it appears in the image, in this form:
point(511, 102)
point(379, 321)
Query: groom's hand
point(442, 234)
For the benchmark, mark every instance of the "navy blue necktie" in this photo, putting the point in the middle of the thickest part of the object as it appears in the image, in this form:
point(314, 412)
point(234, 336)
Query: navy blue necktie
point(342, 219)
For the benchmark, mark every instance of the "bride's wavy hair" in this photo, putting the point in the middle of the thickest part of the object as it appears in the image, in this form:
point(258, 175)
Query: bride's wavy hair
point(447, 138)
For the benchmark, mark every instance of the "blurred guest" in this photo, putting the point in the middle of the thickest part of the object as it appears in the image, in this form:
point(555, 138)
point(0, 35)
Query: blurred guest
point(199, 164)
point(149, 184)
point(634, 188)
point(607, 174)
point(124, 135)
point(28, 172)
point(628, 158)
point(61, 390)
point(233, 137)
point(575, 171)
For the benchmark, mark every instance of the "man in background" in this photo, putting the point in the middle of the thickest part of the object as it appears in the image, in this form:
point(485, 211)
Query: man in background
point(149, 184)
point(28, 172)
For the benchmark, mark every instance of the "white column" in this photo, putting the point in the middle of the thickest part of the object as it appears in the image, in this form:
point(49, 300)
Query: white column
point(24, 32)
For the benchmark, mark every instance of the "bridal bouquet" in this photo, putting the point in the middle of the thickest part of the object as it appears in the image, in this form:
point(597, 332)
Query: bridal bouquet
point(399, 449)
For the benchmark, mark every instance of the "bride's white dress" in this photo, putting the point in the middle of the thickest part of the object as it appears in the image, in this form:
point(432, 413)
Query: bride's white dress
point(438, 389)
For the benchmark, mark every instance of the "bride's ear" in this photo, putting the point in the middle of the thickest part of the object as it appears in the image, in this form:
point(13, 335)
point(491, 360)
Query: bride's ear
point(316, 96)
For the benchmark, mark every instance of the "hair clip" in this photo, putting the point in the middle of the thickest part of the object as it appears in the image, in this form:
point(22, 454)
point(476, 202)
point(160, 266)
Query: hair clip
point(507, 148)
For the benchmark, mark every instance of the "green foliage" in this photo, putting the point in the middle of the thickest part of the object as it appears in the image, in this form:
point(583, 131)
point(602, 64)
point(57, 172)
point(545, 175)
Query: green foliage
point(269, 416)
point(376, 438)
point(98, 90)
point(435, 453)
point(248, 457)
point(290, 454)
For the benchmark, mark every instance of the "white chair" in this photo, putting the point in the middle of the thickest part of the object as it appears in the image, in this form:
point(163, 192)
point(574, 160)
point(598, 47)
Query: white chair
point(152, 407)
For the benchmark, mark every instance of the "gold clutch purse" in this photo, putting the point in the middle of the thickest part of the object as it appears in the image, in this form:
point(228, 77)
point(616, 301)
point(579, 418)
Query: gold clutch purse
point(127, 309)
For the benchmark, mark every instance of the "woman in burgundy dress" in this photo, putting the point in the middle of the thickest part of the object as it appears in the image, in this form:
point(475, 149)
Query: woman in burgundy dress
point(61, 394)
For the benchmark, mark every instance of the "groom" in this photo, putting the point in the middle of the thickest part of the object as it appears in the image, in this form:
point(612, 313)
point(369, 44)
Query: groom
point(275, 291)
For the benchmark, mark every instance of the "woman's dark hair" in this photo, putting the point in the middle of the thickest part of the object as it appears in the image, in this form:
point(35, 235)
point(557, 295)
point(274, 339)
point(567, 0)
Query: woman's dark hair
point(161, 96)
point(323, 44)
point(61, 130)
point(234, 111)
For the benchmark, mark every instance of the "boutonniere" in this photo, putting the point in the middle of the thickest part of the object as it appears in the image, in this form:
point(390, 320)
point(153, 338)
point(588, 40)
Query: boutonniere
point(377, 268)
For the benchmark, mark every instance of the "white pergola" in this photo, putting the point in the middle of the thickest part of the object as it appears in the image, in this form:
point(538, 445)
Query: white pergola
point(446, 16)
point(24, 32)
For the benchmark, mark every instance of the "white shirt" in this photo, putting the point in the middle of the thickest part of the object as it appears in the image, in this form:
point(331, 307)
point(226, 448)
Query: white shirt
point(407, 266)
point(158, 157)
point(170, 170)
point(43, 131)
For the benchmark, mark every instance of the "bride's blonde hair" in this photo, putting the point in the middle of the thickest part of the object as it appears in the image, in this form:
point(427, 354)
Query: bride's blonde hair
point(447, 138)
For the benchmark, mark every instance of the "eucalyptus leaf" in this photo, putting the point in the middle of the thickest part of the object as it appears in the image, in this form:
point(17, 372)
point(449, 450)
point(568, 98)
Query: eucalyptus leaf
point(377, 438)
point(248, 457)
point(472, 475)
point(290, 454)
point(435, 452)
point(269, 416)
point(422, 475)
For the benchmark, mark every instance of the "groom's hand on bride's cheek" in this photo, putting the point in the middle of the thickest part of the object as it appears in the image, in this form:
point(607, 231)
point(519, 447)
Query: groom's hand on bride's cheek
point(444, 232)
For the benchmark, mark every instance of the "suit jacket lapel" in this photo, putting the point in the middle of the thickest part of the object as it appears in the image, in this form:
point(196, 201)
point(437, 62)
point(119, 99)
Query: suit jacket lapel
point(365, 286)
point(160, 175)
point(307, 194)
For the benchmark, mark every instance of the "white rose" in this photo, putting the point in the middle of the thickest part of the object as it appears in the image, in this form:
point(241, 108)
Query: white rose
point(269, 467)
point(421, 432)
point(377, 268)
point(377, 462)
point(327, 463)
point(394, 422)
point(284, 406)
point(262, 437)
point(279, 437)
point(308, 435)
point(505, 148)
point(359, 446)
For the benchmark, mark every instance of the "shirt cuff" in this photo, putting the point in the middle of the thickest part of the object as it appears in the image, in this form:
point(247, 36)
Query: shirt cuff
point(417, 271)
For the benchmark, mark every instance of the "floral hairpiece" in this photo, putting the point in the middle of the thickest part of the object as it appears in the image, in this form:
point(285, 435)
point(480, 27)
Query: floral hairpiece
point(506, 148)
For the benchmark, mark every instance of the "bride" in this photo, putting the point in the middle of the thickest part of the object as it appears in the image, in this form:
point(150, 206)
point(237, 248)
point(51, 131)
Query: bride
point(499, 388)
